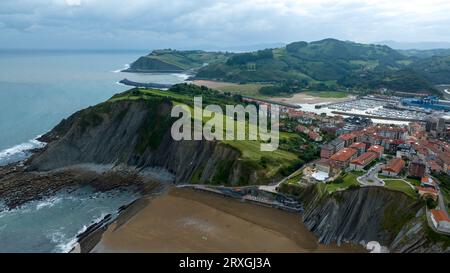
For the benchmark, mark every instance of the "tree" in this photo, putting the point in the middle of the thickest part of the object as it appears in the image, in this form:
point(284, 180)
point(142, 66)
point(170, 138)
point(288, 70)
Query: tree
point(431, 203)
point(339, 180)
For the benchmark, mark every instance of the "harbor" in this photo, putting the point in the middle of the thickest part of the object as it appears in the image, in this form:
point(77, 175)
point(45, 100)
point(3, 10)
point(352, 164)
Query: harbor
point(393, 110)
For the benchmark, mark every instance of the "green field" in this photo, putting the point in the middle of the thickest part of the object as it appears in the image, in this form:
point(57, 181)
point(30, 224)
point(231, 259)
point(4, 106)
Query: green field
point(328, 94)
point(248, 89)
point(415, 182)
point(399, 185)
point(148, 93)
point(295, 177)
point(349, 180)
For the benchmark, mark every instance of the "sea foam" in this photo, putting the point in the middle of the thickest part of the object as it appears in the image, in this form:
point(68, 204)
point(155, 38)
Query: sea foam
point(19, 152)
point(125, 67)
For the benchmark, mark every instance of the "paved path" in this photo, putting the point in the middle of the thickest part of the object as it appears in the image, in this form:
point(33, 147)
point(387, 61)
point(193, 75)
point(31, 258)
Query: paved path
point(403, 180)
point(441, 203)
point(273, 187)
point(370, 178)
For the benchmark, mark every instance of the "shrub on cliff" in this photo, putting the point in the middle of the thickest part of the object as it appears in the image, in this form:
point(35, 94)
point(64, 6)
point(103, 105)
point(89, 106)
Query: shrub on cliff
point(431, 203)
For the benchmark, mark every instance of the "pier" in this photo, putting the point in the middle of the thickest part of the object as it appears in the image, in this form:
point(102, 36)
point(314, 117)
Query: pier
point(376, 117)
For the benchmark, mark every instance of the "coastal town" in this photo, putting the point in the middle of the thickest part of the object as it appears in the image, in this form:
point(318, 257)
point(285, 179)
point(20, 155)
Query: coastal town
point(406, 149)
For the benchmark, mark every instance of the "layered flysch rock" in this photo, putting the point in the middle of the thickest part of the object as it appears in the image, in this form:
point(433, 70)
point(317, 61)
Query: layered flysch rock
point(138, 134)
point(369, 214)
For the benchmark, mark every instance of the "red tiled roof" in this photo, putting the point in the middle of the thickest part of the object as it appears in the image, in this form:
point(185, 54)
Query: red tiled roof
point(444, 157)
point(344, 154)
point(395, 165)
point(440, 216)
point(358, 145)
point(434, 165)
point(427, 180)
point(365, 158)
point(430, 190)
point(376, 149)
point(326, 162)
point(347, 136)
point(396, 141)
point(421, 150)
point(301, 128)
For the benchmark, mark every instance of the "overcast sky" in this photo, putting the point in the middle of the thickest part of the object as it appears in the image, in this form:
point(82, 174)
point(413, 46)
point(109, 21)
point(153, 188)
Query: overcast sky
point(208, 24)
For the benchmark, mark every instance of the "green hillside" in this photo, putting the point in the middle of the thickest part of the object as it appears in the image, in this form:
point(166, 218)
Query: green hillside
point(323, 65)
point(168, 60)
point(435, 69)
point(425, 53)
point(326, 65)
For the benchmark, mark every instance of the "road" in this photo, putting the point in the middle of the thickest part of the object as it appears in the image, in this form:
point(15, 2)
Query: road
point(441, 203)
point(370, 178)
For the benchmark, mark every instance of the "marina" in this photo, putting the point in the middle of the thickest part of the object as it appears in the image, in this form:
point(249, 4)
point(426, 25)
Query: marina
point(380, 110)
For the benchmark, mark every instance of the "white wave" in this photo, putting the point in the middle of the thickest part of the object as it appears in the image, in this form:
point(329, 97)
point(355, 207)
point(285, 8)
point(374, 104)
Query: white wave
point(98, 219)
point(19, 152)
point(126, 66)
point(121, 84)
point(5, 211)
point(64, 244)
point(48, 203)
point(183, 76)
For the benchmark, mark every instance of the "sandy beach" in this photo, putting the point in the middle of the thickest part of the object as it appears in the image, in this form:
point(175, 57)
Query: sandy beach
point(305, 98)
point(184, 220)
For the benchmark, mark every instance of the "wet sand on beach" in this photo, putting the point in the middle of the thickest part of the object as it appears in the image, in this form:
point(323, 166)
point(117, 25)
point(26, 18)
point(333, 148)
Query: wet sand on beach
point(184, 220)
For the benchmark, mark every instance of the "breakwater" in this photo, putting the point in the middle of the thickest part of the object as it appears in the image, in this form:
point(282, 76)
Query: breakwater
point(145, 85)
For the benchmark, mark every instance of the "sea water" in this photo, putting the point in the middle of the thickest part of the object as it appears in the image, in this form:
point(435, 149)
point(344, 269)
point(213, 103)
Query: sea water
point(52, 224)
point(38, 88)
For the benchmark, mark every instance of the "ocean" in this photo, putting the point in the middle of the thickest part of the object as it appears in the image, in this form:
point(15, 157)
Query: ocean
point(38, 88)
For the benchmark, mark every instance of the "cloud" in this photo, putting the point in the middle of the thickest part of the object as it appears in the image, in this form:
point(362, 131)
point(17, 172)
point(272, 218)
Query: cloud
point(73, 2)
point(191, 23)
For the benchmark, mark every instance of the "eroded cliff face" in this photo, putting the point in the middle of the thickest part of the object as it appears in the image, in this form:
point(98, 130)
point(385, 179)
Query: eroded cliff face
point(417, 236)
point(368, 214)
point(137, 133)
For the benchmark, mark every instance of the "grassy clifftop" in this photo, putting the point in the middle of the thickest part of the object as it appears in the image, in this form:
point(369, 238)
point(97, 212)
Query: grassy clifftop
point(272, 164)
point(175, 61)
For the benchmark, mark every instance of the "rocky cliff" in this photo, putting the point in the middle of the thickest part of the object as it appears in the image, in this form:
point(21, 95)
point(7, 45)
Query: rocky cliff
point(368, 214)
point(417, 236)
point(146, 64)
point(137, 133)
